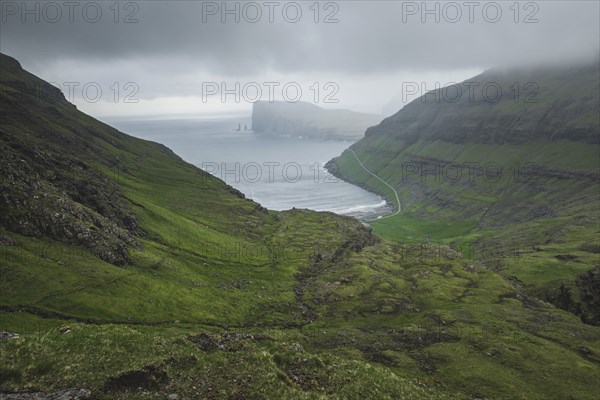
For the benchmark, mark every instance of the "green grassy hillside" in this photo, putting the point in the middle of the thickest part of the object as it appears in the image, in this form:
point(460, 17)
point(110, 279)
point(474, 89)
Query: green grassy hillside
point(134, 275)
point(513, 175)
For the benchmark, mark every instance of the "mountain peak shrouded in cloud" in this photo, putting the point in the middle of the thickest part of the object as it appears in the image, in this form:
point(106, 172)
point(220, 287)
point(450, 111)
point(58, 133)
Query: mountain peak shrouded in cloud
point(170, 48)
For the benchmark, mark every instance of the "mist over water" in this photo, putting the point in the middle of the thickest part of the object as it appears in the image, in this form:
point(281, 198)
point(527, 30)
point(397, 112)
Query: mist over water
point(278, 172)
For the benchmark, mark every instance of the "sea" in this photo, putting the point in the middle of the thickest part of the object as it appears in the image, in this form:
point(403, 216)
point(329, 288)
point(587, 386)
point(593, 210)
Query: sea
point(279, 172)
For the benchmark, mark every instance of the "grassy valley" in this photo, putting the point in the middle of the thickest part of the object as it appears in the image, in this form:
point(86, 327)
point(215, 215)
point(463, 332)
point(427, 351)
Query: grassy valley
point(128, 273)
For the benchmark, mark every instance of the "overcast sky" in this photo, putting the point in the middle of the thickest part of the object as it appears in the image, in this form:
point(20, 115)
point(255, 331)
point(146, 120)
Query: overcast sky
point(167, 55)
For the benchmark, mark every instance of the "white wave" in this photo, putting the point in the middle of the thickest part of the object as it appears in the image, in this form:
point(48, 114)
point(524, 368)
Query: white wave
point(361, 208)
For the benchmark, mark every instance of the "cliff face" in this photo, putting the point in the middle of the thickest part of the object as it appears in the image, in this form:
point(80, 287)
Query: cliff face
point(308, 120)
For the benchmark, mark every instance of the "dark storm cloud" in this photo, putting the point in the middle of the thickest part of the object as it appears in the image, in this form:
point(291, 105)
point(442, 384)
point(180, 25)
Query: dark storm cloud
point(169, 49)
point(370, 37)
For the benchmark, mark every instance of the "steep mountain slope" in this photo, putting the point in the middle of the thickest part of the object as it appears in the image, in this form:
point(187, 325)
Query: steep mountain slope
point(510, 166)
point(504, 107)
point(308, 120)
point(130, 274)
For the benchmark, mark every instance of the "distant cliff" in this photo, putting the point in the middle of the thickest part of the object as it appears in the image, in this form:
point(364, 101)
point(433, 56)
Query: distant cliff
point(308, 120)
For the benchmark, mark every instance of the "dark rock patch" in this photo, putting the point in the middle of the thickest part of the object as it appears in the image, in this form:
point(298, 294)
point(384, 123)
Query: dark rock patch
point(8, 335)
point(149, 377)
point(566, 257)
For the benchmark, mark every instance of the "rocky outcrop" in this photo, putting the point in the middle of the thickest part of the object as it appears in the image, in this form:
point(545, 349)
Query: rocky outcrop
point(54, 182)
point(44, 193)
point(589, 288)
point(8, 335)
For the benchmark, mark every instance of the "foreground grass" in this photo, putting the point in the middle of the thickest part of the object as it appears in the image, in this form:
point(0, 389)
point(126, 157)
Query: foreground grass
point(430, 323)
point(153, 362)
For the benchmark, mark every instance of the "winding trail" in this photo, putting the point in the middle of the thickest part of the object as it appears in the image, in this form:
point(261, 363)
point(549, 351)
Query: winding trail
point(384, 182)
